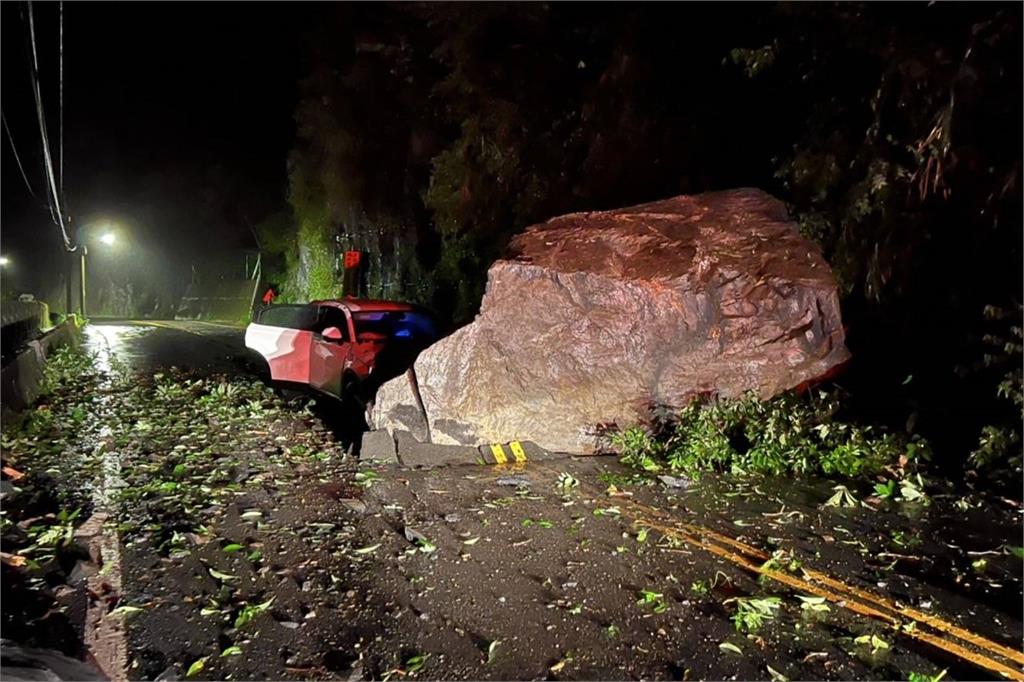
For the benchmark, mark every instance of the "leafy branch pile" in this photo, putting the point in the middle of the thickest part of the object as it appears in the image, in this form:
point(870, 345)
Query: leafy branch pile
point(786, 435)
point(52, 441)
point(999, 444)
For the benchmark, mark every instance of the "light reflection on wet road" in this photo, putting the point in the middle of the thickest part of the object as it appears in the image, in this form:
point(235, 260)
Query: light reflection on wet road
point(145, 345)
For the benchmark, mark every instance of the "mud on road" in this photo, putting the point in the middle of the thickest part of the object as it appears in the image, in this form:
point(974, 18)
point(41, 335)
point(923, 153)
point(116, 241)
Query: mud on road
point(254, 546)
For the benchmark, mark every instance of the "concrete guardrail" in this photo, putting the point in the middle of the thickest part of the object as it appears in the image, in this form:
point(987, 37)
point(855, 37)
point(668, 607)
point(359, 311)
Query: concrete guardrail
point(21, 379)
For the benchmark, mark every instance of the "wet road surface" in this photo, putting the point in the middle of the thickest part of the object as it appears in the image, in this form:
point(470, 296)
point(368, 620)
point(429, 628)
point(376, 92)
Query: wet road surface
point(447, 562)
point(152, 345)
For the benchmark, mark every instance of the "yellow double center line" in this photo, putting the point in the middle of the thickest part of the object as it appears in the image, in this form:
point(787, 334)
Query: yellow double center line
point(988, 654)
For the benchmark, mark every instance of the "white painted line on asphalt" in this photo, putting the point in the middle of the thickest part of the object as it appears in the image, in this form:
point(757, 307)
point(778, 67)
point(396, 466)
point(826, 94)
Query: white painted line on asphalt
point(106, 636)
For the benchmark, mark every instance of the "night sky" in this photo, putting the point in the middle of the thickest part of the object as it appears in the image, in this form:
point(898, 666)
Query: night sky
point(178, 119)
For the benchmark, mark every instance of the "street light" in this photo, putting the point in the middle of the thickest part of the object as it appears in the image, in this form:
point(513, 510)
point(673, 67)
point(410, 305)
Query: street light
point(108, 238)
point(4, 260)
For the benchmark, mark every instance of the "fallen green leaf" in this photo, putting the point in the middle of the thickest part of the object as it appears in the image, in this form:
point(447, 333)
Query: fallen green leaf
point(225, 577)
point(416, 663)
point(842, 498)
point(874, 641)
point(196, 667)
point(367, 550)
point(608, 511)
point(557, 667)
point(251, 611)
point(813, 603)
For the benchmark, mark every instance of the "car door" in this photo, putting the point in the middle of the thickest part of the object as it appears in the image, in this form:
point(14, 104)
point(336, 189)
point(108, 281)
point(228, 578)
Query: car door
point(283, 335)
point(328, 358)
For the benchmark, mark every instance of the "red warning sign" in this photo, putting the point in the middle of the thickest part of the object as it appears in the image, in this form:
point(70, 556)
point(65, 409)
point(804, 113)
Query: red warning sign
point(352, 259)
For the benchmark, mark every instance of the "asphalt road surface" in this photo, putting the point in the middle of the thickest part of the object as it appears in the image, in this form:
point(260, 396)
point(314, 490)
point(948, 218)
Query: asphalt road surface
point(152, 345)
point(571, 570)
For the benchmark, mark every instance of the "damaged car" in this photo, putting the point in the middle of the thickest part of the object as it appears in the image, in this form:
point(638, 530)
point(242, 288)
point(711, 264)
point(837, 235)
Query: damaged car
point(345, 348)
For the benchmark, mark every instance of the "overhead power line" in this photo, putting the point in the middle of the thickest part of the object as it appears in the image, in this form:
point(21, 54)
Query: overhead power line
point(54, 195)
point(60, 106)
point(24, 176)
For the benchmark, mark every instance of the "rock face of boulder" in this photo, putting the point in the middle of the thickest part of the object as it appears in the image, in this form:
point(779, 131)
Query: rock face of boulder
point(596, 317)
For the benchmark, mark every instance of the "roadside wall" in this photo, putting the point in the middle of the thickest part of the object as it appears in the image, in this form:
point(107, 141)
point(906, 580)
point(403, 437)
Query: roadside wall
point(21, 380)
point(21, 321)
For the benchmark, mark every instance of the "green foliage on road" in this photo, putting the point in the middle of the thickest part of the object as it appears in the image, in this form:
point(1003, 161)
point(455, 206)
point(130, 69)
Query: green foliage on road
point(67, 367)
point(183, 464)
point(753, 612)
point(52, 434)
point(789, 434)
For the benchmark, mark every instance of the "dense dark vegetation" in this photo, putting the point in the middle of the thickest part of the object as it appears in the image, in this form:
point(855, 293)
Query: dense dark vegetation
point(428, 135)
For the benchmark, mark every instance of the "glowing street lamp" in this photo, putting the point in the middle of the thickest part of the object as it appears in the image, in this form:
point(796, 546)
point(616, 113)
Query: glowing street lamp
point(108, 238)
point(4, 260)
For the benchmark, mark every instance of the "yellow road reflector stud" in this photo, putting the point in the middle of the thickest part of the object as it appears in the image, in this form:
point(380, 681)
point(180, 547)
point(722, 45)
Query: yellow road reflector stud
point(517, 450)
point(499, 453)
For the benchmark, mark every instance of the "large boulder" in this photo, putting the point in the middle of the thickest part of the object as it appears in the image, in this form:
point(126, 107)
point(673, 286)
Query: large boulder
point(594, 318)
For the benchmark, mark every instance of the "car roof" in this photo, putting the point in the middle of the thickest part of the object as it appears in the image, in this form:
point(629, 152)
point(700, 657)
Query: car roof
point(361, 305)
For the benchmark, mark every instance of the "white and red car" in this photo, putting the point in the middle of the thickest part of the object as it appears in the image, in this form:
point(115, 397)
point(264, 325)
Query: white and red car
point(340, 347)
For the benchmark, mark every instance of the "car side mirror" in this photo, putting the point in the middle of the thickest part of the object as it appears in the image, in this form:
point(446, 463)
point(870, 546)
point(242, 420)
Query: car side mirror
point(333, 334)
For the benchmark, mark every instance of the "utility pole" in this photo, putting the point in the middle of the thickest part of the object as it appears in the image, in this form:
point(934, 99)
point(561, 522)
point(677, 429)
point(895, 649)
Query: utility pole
point(69, 306)
point(85, 252)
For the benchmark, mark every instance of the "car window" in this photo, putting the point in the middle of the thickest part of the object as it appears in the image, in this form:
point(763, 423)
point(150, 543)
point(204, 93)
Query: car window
point(396, 324)
point(332, 317)
point(289, 316)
